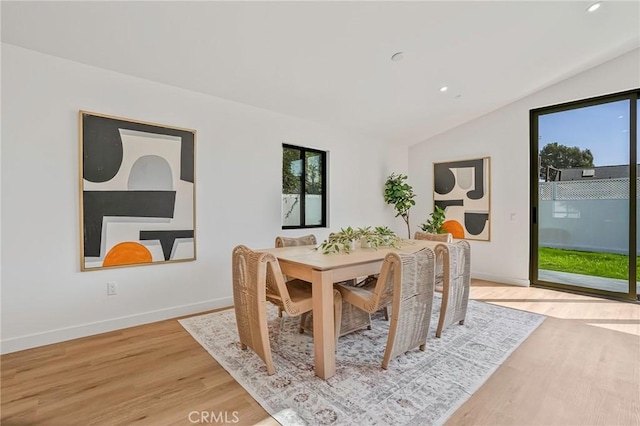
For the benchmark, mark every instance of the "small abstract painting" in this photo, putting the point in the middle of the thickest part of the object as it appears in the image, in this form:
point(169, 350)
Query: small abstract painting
point(462, 189)
point(137, 192)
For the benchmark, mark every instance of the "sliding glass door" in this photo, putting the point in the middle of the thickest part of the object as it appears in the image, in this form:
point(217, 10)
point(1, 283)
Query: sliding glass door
point(585, 221)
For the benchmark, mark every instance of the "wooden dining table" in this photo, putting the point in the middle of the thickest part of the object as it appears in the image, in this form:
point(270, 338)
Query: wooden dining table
point(322, 270)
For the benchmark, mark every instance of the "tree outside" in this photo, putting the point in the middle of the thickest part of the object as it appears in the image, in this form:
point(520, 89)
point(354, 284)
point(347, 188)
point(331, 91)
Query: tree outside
point(295, 168)
point(292, 169)
point(555, 156)
point(313, 181)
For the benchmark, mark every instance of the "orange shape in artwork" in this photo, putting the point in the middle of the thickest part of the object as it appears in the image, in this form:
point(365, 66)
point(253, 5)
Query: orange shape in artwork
point(127, 253)
point(453, 227)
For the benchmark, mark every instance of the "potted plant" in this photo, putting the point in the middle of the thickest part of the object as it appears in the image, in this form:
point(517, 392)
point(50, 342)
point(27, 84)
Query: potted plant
point(344, 240)
point(368, 237)
point(373, 238)
point(400, 194)
point(388, 237)
point(347, 239)
point(435, 221)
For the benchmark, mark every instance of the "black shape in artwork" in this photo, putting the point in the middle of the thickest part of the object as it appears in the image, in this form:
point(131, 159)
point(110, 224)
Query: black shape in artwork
point(443, 204)
point(101, 148)
point(98, 204)
point(445, 180)
point(474, 223)
point(187, 156)
point(167, 239)
point(111, 126)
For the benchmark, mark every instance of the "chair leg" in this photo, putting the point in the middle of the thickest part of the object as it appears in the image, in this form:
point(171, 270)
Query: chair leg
point(280, 312)
point(443, 309)
point(337, 314)
point(386, 313)
point(303, 320)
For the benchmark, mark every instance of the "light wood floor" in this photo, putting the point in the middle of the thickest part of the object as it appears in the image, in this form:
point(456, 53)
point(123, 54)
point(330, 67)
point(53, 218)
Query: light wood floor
point(580, 367)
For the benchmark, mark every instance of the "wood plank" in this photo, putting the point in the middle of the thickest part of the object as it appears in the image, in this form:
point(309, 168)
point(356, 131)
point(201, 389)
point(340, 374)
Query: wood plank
point(580, 367)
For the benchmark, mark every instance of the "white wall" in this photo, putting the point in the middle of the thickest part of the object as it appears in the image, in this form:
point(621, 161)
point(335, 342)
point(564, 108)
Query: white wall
point(504, 136)
point(45, 297)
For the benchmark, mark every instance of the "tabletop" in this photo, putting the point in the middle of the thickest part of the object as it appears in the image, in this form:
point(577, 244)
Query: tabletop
point(309, 256)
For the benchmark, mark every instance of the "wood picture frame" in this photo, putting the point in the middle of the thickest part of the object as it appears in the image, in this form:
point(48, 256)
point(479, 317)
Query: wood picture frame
point(463, 189)
point(137, 192)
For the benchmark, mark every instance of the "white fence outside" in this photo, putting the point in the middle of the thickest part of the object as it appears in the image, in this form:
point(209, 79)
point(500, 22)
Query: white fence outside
point(590, 215)
point(291, 209)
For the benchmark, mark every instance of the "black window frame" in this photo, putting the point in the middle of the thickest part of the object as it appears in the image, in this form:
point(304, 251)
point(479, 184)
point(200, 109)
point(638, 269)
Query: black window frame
point(633, 96)
point(323, 174)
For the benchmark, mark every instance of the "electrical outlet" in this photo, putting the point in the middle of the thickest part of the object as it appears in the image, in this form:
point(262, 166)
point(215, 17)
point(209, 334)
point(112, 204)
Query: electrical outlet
point(112, 288)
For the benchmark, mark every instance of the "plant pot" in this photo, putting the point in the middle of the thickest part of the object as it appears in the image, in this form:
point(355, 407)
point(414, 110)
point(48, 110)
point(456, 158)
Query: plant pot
point(364, 243)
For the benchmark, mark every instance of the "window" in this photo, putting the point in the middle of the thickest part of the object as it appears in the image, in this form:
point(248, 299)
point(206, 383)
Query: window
point(586, 213)
point(304, 172)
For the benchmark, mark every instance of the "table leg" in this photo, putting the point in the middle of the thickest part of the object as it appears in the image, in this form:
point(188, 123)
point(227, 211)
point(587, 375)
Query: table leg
point(323, 326)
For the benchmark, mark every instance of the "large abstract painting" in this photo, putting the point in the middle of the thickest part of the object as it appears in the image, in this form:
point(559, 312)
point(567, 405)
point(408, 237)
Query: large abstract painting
point(462, 189)
point(137, 194)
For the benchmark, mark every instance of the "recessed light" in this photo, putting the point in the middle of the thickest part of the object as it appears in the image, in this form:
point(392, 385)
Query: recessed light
point(594, 7)
point(444, 88)
point(397, 57)
point(621, 116)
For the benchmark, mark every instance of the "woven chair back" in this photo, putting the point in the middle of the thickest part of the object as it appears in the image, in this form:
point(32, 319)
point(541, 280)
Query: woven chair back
point(249, 298)
point(457, 270)
point(413, 287)
point(443, 238)
point(306, 240)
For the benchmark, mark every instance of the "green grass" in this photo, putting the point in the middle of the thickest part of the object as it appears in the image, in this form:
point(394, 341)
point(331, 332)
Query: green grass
point(585, 262)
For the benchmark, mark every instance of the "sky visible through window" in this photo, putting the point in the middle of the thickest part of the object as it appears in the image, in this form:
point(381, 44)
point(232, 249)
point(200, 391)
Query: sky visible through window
point(603, 129)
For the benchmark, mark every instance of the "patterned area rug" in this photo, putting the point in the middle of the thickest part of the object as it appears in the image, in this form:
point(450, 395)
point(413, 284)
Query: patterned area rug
point(419, 388)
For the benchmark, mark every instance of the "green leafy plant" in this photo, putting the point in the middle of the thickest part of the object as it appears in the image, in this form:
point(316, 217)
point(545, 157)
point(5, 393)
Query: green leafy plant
point(368, 237)
point(389, 238)
point(347, 239)
point(400, 194)
point(435, 221)
point(379, 236)
point(341, 241)
point(384, 231)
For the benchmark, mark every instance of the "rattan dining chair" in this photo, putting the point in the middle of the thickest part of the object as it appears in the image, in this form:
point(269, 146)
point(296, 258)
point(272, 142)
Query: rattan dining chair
point(457, 278)
point(257, 278)
point(444, 238)
point(407, 282)
point(305, 240)
point(250, 299)
point(351, 319)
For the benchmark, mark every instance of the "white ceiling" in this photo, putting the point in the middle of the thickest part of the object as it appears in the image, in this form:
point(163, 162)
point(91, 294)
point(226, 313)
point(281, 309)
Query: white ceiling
point(329, 62)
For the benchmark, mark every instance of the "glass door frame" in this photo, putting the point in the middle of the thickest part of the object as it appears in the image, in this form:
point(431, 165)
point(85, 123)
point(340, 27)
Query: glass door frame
point(534, 173)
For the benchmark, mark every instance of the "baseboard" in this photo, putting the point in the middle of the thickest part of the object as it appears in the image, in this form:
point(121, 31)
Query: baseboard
point(62, 334)
point(502, 280)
